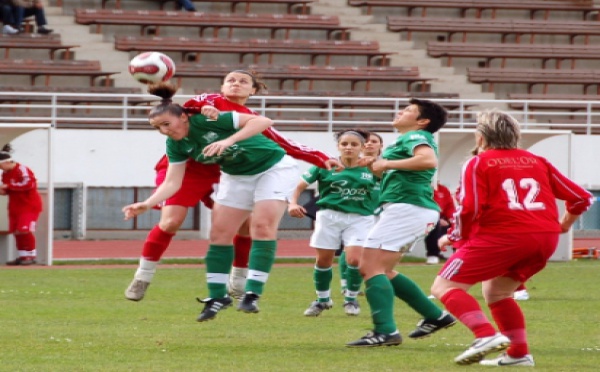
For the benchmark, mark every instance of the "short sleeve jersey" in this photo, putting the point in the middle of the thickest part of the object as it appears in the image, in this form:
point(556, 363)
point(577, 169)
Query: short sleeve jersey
point(248, 157)
point(347, 191)
point(513, 191)
point(408, 186)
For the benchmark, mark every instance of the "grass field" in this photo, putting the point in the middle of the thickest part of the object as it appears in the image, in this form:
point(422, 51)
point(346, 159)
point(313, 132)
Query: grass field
point(74, 319)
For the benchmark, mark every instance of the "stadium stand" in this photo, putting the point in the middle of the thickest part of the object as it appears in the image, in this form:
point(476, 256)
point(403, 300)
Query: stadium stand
point(585, 7)
point(76, 95)
point(293, 6)
point(503, 27)
point(154, 19)
point(297, 74)
point(531, 77)
point(504, 51)
point(47, 68)
point(51, 42)
point(194, 47)
point(593, 101)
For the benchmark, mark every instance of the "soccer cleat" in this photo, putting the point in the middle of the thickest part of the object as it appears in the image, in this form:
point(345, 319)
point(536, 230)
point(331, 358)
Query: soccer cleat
point(505, 360)
point(249, 303)
point(482, 347)
point(136, 290)
point(522, 295)
point(212, 306)
point(237, 282)
point(426, 327)
point(373, 339)
point(22, 261)
point(351, 308)
point(316, 308)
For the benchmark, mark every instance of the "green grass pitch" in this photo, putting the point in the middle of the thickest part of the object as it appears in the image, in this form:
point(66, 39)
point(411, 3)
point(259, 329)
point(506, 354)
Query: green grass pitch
point(74, 319)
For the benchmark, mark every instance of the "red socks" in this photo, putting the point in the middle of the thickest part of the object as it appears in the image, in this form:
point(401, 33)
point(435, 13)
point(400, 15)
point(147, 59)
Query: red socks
point(466, 309)
point(511, 322)
point(241, 246)
point(25, 242)
point(156, 244)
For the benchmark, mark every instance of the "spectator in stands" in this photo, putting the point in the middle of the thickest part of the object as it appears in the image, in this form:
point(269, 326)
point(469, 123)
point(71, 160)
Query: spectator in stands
point(8, 17)
point(186, 5)
point(408, 213)
point(24, 205)
point(507, 207)
point(27, 8)
point(443, 197)
point(344, 217)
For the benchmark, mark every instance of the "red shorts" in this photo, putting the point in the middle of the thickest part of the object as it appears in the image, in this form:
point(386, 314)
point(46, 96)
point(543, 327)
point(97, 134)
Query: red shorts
point(195, 187)
point(517, 256)
point(22, 222)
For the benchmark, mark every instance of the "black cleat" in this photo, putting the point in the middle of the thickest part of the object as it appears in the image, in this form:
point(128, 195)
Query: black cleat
point(249, 303)
point(426, 327)
point(373, 339)
point(212, 306)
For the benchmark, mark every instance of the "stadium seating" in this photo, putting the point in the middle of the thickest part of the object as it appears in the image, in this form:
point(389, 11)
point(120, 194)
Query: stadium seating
point(48, 68)
point(51, 42)
point(504, 51)
point(503, 27)
point(194, 47)
point(292, 5)
point(533, 6)
point(570, 106)
point(154, 19)
point(531, 77)
point(296, 73)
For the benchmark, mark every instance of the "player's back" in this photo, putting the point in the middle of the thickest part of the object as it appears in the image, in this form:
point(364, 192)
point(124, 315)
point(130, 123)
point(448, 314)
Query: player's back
point(515, 193)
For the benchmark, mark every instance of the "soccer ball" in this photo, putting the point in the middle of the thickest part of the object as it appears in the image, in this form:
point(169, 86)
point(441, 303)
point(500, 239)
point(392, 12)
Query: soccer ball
point(151, 67)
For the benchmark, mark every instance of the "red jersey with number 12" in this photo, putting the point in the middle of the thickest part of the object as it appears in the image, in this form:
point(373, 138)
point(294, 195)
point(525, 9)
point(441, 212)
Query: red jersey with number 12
point(513, 191)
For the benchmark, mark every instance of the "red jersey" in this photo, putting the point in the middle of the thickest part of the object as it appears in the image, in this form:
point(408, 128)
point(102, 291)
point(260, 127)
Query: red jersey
point(443, 197)
point(21, 189)
point(513, 191)
point(292, 148)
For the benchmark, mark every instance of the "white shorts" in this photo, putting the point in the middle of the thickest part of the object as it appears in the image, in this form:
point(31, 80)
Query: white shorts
point(332, 228)
point(400, 226)
point(276, 183)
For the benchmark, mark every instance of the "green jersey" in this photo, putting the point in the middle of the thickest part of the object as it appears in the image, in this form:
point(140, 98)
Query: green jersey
point(407, 186)
point(248, 157)
point(347, 191)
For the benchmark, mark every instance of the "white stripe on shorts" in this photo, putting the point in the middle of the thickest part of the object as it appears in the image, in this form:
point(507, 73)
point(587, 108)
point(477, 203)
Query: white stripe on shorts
point(452, 269)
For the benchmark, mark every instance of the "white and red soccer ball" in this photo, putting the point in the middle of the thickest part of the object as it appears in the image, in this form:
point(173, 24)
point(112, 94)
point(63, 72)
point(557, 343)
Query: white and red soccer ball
point(151, 67)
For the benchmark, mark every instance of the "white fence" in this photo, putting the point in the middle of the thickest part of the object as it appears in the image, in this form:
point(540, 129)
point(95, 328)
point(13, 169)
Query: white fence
point(305, 113)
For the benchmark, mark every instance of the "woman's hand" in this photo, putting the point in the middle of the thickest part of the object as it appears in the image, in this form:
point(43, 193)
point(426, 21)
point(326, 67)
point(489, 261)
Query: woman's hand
point(334, 164)
point(296, 210)
point(135, 209)
point(217, 148)
point(443, 242)
point(210, 112)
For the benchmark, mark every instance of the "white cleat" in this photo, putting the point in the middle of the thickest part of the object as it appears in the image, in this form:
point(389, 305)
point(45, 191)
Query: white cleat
point(505, 360)
point(482, 347)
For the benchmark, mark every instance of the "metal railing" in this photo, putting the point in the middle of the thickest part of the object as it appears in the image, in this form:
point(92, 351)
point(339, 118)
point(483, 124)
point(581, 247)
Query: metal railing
point(309, 113)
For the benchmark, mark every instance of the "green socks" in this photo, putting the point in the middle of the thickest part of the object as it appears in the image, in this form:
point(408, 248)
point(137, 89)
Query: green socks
point(262, 257)
point(408, 291)
point(218, 264)
point(380, 296)
point(322, 278)
point(354, 281)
